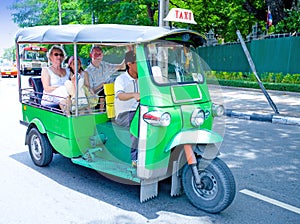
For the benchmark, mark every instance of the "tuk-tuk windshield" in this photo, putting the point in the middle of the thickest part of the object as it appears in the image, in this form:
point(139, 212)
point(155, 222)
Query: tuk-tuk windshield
point(174, 63)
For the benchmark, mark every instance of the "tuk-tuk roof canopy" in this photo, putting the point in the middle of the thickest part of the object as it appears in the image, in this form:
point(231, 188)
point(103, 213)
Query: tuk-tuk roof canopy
point(100, 33)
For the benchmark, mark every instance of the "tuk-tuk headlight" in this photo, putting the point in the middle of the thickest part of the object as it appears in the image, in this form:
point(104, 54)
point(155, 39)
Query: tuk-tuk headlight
point(197, 118)
point(218, 110)
point(157, 118)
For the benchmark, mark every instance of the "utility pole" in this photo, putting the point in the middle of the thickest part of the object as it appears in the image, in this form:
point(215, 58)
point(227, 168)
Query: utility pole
point(59, 13)
point(163, 11)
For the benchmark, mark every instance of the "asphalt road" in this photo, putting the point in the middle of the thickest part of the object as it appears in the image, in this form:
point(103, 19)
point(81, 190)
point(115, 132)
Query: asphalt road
point(263, 157)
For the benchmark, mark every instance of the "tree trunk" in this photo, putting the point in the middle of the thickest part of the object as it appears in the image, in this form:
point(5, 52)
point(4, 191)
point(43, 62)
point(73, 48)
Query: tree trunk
point(150, 13)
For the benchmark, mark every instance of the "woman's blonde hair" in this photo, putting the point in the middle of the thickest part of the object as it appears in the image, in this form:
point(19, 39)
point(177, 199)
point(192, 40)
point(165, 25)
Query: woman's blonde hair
point(56, 47)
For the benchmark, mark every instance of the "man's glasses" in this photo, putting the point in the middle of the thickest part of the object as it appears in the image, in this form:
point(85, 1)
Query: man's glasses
point(57, 54)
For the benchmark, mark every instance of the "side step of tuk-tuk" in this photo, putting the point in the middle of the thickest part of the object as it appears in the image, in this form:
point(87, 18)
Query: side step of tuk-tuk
point(122, 170)
point(148, 188)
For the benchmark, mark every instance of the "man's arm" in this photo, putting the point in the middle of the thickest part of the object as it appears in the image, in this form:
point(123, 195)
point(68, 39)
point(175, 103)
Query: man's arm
point(121, 66)
point(128, 96)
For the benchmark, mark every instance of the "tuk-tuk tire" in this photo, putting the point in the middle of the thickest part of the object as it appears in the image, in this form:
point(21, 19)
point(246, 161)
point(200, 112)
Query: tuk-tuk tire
point(219, 180)
point(40, 149)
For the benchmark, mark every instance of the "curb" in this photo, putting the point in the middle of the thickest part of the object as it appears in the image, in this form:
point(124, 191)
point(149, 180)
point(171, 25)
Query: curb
point(276, 119)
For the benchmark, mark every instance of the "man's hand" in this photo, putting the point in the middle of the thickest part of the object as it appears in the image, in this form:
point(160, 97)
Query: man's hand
point(98, 88)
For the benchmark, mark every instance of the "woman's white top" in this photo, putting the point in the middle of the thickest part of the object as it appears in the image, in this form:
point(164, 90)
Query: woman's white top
point(59, 93)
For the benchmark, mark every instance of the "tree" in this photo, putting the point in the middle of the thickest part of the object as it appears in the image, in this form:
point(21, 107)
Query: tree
point(27, 13)
point(122, 11)
point(224, 17)
point(290, 23)
point(9, 54)
point(277, 8)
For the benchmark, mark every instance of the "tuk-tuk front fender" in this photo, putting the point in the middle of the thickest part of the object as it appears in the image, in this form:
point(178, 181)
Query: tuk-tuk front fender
point(194, 137)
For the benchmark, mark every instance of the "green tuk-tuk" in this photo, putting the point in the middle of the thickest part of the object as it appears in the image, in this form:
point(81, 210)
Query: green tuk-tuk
point(173, 122)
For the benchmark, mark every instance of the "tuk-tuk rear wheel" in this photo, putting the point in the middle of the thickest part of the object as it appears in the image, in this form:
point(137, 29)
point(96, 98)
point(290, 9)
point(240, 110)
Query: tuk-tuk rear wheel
point(217, 189)
point(40, 149)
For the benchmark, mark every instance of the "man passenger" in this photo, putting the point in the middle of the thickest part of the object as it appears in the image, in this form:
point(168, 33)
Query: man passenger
point(98, 72)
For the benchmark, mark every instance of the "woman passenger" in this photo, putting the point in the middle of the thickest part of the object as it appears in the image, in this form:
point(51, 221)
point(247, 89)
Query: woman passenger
point(83, 82)
point(53, 79)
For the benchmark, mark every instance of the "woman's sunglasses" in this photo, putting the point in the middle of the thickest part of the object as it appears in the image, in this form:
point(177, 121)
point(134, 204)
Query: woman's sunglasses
point(57, 54)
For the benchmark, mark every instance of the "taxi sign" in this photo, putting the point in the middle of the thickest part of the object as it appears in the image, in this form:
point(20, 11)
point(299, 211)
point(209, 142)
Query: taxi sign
point(180, 15)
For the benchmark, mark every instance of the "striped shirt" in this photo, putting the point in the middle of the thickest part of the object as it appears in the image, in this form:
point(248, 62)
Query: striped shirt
point(99, 75)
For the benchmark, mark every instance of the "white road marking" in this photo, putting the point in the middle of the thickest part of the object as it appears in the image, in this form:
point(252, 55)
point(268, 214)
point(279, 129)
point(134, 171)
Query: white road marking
point(270, 200)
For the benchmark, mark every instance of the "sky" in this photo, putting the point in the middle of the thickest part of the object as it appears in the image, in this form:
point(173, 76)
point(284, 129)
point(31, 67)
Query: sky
point(8, 28)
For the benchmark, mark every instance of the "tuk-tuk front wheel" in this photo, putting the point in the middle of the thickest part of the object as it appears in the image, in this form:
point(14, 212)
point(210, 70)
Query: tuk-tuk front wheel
point(217, 189)
point(40, 149)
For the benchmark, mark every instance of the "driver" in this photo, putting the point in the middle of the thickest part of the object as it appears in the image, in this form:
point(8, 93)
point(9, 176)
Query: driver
point(127, 99)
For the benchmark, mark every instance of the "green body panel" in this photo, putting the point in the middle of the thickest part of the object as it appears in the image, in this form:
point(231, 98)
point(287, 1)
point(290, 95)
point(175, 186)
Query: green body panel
point(158, 138)
point(118, 142)
point(110, 167)
point(68, 135)
point(186, 93)
point(135, 124)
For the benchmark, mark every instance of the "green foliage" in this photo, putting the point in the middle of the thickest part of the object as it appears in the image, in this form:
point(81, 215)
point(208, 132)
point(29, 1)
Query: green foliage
point(291, 79)
point(9, 54)
point(249, 84)
point(274, 81)
point(291, 23)
point(283, 87)
point(27, 13)
point(224, 17)
point(119, 12)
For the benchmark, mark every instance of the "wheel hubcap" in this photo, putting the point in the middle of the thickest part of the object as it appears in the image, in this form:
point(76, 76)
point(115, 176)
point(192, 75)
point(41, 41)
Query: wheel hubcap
point(208, 188)
point(36, 147)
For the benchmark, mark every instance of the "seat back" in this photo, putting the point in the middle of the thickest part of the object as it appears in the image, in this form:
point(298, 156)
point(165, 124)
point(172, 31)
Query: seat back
point(37, 85)
point(109, 92)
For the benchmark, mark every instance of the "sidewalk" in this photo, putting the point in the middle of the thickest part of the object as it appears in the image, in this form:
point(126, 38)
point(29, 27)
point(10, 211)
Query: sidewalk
point(251, 104)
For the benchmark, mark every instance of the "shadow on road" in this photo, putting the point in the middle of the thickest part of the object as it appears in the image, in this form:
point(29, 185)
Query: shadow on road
point(263, 157)
point(126, 197)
